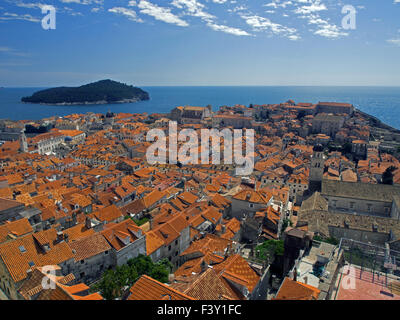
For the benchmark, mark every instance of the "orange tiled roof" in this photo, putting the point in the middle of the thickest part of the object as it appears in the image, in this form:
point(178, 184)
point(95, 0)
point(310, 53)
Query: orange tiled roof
point(147, 288)
point(78, 232)
point(89, 246)
point(17, 254)
point(126, 230)
point(16, 228)
point(236, 269)
point(108, 214)
point(293, 290)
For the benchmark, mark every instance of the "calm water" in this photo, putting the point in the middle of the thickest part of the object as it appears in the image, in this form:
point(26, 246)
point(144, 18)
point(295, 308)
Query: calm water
point(382, 102)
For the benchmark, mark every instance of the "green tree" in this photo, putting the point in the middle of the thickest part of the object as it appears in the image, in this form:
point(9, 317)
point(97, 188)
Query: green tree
point(159, 273)
point(107, 286)
point(285, 224)
point(143, 264)
point(269, 248)
point(112, 283)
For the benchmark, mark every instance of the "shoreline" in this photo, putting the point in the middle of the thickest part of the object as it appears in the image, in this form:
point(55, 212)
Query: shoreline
point(86, 103)
point(379, 123)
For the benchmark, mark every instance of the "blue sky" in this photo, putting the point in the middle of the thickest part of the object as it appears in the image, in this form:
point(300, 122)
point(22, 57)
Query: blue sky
point(200, 42)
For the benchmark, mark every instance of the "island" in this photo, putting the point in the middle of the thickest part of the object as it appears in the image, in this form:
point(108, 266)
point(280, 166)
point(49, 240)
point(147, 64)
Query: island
point(100, 92)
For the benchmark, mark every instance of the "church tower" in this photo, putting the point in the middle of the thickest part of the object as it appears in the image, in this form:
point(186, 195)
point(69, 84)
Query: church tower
point(316, 169)
point(23, 143)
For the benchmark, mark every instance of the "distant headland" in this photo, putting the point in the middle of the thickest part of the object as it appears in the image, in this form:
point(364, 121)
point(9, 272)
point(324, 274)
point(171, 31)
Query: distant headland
point(100, 92)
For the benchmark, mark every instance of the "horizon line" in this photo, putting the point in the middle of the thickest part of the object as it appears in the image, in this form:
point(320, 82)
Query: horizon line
point(194, 86)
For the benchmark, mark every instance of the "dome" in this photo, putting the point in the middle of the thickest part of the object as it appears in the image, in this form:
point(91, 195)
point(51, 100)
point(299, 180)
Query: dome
point(68, 139)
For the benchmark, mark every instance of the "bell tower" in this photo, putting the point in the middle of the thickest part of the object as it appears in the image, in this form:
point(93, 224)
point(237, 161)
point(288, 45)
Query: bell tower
point(316, 169)
point(23, 143)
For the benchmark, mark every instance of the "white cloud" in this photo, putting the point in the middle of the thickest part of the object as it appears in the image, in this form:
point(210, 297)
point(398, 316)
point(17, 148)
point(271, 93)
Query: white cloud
point(193, 8)
point(84, 2)
point(226, 29)
point(330, 31)
point(14, 16)
point(396, 42)
point(314, 7)
point(29, 5)
point(160, 13)
point(264, 24)
point(131, 14)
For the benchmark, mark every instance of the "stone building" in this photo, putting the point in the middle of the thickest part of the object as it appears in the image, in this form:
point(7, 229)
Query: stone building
point(335, 107)
point(47, 142)
point(362, 198)
point(127, 240)
point(235, 121)
point(328, 124)
point(92, 256)
point(189, 114)
point(248, 202)
point(377, 230)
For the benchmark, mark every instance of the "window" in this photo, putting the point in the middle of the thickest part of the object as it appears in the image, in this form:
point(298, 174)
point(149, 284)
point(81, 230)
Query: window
point(369, 206)
point(106, 252)
point(169, 248)
point(176, 242)
point(251, 205)
point(82, 261)
point(351, 205)
point(82, 274)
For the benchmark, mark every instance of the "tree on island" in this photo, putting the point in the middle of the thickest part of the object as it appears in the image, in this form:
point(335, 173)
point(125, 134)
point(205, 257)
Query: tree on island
point(100, 91)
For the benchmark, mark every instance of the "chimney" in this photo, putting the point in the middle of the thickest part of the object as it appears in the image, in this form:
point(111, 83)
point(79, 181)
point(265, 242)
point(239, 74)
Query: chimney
point(88, 223)
point(295, 274)
point(60, 236)
point(204, 266)
point(223, 228)
point(305, 280)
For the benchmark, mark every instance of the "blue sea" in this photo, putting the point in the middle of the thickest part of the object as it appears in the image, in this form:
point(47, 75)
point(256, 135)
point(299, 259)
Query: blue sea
point(382, 102)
